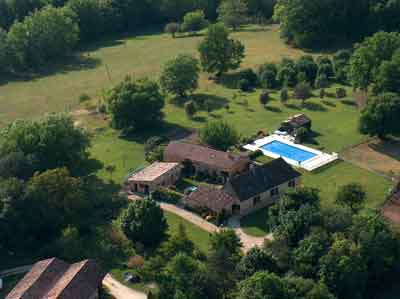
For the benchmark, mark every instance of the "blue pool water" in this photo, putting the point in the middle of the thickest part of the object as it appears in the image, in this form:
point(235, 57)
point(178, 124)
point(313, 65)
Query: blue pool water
point(288, 151)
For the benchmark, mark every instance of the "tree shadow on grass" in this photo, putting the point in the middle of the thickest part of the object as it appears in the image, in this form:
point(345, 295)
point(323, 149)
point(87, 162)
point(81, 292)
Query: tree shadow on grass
point(349, 103)
point(292, 106)
point(389, 148)
point(200, 119)
point(171, 131)
point(312, 137)
point(273, 109)
point(312, 106)
point(208, 102)
point(74, 63)
point(329, 103)
point(229, 80)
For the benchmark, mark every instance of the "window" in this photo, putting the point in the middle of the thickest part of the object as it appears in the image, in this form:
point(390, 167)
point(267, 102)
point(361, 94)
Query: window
point(292, 184)
point(256, 200)
point(275, 192)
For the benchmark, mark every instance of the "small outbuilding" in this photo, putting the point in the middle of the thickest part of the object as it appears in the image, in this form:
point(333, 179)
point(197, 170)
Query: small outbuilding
point(158, 174)
point(292, 124)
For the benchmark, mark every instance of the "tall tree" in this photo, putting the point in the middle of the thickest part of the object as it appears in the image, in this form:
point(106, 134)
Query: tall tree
point(219, 134)
point(135, 104)
point(218, 52)
point(233, 13)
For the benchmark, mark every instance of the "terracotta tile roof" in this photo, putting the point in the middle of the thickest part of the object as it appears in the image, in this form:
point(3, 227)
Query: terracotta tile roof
point(181, 151)
point(215, 199)
point(260, 179)
point(153, 171)
point(55, 279)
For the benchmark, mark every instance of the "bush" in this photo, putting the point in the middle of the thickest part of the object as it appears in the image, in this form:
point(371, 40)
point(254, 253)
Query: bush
point(219, 134)
point(166, 195)
point(322, 93)
point(244, 85)
point(264, 97)
point(172, 28)
point(194, 21)
point(322, 81)
point(267, 75)
point(135, 104)
point(250, 76)
point(190, 109)
point(284, 95)
point(83, 97)
point(302, 91)
point(341, 93)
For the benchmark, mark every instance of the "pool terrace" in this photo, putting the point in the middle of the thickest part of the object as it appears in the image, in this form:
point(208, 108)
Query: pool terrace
point(277, 146)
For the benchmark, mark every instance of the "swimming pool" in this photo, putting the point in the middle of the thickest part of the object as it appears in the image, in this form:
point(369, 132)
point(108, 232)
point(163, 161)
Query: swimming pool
point(288, 151)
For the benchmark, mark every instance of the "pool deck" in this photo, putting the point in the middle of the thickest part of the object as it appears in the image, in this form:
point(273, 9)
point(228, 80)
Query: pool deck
point(320, 159)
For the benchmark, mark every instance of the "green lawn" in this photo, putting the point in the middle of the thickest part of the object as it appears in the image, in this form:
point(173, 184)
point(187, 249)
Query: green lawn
point(199, 237)
point(255, 224)
point(107, 62)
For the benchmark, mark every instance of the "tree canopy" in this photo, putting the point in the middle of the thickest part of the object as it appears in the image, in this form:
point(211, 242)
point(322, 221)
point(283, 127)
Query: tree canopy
point(219, 134)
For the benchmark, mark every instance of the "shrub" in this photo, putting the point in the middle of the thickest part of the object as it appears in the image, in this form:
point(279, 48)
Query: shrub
point(219, 134)
point(172, 28)
point(250, 76)
point(244, 85)
point(166, 195)
point(284, 95)
point(190, 109)
point(322, 93)
point(322, 81)
point(83, 97)
point(341, 93)
point(264, 97)
point(194, 21)
point(267, 75)
point(302, 91)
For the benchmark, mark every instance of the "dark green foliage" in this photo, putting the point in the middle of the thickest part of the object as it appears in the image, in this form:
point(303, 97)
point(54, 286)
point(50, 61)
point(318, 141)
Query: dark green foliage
point(190, 109)
point(388, 77)
point(307, 66)
point(264, 97)
point(262, 285)
point(341, 93)
point(307, 254)
point(219, 134)
point(166, 195)
point(369, 55)
point(194, 21)
point(249, 77)
point(284, 95)
point(154, 148)
point(50, 142)
point(135, 104)
point(302, 134)
point(4, 53)
point(322, 81)
point(96, 18)
point(233, 13)
point(172, 28)
point(352, 196)
point(315, 24)
point(287, 73)
point(267, 74)
point(302, 91)
point(218, 52)
point(344, 270)
point(254, 261)
point(380, 117)
point(16, 164)
point(256, 154)
point(325, 67)
point(143, 221)
point(180, 75)
point(341, 65)
point(32, 46)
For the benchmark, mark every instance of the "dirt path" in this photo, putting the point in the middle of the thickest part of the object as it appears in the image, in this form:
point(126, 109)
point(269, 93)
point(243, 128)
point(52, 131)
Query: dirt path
point(247, 240)
point(120, 291)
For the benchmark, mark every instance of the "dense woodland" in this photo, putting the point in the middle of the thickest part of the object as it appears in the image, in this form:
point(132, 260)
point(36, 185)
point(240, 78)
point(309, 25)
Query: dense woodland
point(48, 179)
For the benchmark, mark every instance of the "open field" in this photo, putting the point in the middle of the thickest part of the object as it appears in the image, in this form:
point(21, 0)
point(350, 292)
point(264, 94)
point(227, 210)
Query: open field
point(107, 62)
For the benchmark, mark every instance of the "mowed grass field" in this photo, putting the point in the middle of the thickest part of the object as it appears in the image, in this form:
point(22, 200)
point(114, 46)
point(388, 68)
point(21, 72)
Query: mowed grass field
point(106, 63)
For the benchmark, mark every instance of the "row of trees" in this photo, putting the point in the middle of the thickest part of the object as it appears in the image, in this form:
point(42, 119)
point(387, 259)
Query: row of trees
point(316, 253)
point(313, 23)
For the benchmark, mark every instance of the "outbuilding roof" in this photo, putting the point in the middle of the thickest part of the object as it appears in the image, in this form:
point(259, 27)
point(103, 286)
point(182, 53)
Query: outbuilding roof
point(153, 171)
point(56, 279)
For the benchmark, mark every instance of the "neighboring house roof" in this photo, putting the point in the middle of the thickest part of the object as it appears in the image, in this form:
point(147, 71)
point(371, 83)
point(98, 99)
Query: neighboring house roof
point(153, 171)
point(55, 279)
point(181, 151)
point(216, 199)
point(298, 120)
point(260, 179)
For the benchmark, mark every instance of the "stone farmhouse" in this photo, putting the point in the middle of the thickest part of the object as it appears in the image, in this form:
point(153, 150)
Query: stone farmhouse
point(256, 188)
